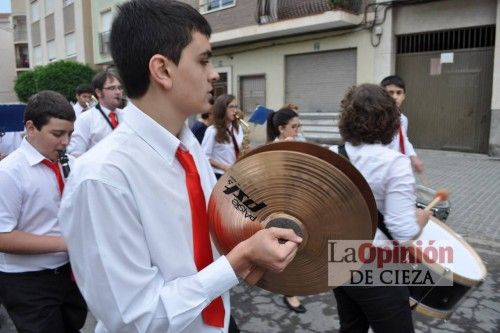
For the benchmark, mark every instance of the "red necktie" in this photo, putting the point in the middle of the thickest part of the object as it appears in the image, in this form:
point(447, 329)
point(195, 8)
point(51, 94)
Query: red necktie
point(213, 314)
point(401, 141)
point(113, 119)
point(54, 166)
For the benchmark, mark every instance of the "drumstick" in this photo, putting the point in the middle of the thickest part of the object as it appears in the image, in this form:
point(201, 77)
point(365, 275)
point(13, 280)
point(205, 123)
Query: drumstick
point(441, 195)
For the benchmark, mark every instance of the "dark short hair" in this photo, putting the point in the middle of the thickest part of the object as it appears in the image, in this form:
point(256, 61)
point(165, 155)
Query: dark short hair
point(84, 89)
point(99, 80)
point(144, 28)
point(369, 115)
point(219, 116)
point(275, 119)
point(395, 80)
point(45, 105)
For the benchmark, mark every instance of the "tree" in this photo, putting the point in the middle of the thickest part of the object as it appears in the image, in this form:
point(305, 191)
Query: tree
point(61, 76)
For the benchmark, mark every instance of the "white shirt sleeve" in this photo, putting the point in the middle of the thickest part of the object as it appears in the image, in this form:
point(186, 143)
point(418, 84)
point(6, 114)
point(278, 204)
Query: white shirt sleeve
point(400, 210)
point(10, 203)
point(409, 150)
point(114, 269)
point(80, 139)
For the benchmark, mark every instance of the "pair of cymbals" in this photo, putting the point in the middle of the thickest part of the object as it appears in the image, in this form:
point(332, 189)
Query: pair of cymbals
point(297, 185)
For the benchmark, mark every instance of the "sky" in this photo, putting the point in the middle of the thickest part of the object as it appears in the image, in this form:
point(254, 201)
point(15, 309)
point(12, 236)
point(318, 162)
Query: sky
point(4, 6)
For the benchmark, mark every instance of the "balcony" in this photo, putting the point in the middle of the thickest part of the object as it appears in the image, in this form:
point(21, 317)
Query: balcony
point(22, 59)
point(104, 42)
point(276, 10)
point(283, 18)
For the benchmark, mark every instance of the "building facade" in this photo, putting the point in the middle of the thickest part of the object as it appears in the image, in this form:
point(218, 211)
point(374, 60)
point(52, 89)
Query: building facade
point(59, 30)
point(273, 52)
point(7, 65)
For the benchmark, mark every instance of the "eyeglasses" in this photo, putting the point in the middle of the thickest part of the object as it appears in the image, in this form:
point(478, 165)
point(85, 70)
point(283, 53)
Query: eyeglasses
point(113, 88)
point(233, 106)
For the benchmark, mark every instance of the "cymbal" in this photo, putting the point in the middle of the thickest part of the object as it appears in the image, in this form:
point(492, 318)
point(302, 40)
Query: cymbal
point(294, 185)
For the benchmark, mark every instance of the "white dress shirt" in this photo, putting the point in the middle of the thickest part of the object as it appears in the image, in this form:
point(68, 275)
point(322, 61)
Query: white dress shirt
point(78, 109)
point(130, 235)
point(221, 152)
point(90, 128)
point(394, 145)
point(391, 180)
point(29, 202)
point(10, 141)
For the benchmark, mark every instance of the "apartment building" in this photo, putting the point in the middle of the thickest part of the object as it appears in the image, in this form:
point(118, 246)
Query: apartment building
point(7, 65)
point(59, 30)
point(20, 36)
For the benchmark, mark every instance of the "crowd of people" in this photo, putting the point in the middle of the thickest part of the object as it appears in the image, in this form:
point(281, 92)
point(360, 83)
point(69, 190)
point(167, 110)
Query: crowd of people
point(133, 218)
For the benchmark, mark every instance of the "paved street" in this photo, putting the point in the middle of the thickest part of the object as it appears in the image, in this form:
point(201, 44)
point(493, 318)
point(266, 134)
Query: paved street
point(474, 184)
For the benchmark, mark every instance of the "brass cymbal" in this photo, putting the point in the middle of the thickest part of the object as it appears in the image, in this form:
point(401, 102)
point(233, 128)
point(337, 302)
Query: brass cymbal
point(299, 185)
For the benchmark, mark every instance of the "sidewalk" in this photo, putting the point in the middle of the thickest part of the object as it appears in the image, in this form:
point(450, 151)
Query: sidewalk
point(473, 181)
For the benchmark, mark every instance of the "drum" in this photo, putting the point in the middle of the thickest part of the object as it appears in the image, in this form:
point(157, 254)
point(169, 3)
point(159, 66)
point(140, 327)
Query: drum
point(466, 271)
point(425, 195)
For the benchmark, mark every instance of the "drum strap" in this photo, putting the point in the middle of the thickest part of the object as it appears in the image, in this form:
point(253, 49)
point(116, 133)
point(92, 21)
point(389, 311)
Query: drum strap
point(381, 224)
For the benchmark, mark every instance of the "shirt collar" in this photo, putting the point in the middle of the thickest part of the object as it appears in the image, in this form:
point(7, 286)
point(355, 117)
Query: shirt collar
point(32, 155)
point(156, 136)
point(106, 110)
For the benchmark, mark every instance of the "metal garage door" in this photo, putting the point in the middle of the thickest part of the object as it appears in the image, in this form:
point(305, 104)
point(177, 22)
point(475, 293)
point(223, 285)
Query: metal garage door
point(448, 92)
point(317, 82)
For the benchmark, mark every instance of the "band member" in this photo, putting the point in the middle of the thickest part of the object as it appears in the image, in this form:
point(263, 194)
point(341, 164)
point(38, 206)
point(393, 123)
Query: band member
point(284, 125)
point(95, 124)
point(395, 86)
point(83, 95)
point(222, 140)
point(200, 127)
point(35, 276)
point(368, 122)
point(138, 237)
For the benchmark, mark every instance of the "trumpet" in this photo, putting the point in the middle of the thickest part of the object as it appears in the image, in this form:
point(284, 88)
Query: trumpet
point(93, 102)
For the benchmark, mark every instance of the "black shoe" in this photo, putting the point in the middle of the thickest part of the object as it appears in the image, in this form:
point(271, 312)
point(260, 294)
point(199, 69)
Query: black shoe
point(299, 309)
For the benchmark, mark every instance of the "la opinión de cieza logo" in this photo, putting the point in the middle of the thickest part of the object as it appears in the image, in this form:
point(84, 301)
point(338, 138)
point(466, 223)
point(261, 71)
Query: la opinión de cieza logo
point(363, 263)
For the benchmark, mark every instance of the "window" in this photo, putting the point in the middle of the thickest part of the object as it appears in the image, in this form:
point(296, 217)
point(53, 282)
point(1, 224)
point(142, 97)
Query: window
point(51, 50)
point(49, 7)
point(37, 55)
point(224, 85)
point(106, 20)
point(67, 2)
point(69, 41)
point(212, 5)
point(35, 11)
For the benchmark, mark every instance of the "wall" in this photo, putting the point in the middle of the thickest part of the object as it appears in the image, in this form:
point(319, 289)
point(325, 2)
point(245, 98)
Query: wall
point(442, 15)
point(8, 64)
point(494, 148)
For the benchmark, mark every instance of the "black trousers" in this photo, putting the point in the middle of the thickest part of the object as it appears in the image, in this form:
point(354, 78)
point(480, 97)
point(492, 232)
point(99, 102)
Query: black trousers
point(43, 301)
point(384, 309)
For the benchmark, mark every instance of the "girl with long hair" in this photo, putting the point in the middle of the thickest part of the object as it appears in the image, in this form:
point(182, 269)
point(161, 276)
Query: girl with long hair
point(222, 140)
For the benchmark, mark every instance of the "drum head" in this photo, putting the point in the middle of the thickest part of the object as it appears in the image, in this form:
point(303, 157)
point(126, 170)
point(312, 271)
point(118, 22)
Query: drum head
point(462, 260)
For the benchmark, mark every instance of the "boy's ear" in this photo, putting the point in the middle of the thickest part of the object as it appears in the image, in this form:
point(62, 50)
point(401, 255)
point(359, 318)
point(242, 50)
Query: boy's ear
point(160, 71)
point(30, 128)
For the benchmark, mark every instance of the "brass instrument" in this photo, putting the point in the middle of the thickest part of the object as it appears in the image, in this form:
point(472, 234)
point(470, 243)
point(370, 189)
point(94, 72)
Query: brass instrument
point(245, 144)
point(93, 102)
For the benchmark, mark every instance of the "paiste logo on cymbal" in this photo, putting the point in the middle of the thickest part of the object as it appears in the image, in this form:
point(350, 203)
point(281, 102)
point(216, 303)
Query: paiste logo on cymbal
point(241, 201)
